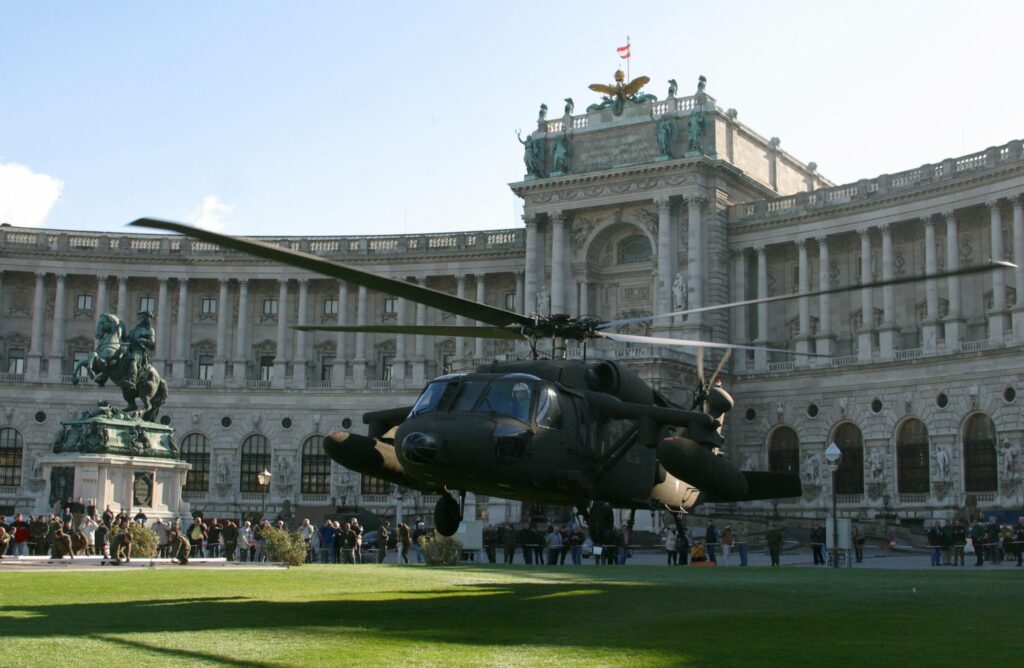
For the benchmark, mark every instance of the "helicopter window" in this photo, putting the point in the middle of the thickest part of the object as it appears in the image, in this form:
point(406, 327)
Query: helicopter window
point(549, 409)
point(469, 394)
point(512, 398)
point(430, 399)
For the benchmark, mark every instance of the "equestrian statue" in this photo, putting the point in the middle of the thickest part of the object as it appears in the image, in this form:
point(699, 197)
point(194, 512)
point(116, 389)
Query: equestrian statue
point(123, 357)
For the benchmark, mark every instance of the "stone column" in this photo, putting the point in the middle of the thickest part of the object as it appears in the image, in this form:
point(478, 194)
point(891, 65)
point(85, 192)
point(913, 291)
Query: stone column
point(33, 363)
point(666, 266)
point(584, 306)
point(281, 352)
point(180, 361)
point(419, 363)
point(865, 335)
point(887, 332)
point(803, 339)
point(122, 301)
point(220, 360)
point(930, 327)
point(761, 356)
point(161, 353)
point(825, 342)
point(478, 351)
point(300, 362)
point(558, 263)
point(460, 321)
point(695, 258)
point(739, 315)
point(398, 366)
point(359, 363)
point(56, 356)
point(997, 316)
point(532, 233)
point(241, 357)
point(520, 293)
point(1018, 273)
point(954, 325)
point(341, 339)
point(102, 301)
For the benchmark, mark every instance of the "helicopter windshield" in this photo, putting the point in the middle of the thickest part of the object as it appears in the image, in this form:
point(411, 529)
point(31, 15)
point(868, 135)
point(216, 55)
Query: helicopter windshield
point(510, 397)
point(432, 396)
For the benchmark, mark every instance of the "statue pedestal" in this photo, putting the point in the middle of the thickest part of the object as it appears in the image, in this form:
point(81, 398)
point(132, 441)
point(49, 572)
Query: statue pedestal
point(118, 460)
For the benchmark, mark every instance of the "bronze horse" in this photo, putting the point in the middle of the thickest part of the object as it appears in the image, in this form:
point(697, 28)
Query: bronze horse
point(111, 361)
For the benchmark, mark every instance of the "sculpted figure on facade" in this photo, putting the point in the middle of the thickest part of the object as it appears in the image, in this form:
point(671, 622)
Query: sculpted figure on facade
point(876, 466)
point(223, 471)
point(812, 469)
point(285, 471)
point(941, 463)
point(1010, 454)
point(531, 154)
point(679, 296)
point(666, 135)
point(543, 113)
point(569, 106)
point(562, 150)
point(673, 88)
point(543, 300)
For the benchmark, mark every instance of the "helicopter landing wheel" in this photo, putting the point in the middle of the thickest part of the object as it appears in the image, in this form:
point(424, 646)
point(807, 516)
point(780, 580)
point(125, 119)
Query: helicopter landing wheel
point(447, 515)
point(601, 522)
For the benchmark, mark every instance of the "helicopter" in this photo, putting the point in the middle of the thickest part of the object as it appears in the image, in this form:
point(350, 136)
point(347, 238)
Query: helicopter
point(592, 436)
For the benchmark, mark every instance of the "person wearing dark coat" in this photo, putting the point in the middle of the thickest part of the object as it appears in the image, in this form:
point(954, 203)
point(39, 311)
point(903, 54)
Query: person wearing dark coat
point(774, 539)
point(818, 543)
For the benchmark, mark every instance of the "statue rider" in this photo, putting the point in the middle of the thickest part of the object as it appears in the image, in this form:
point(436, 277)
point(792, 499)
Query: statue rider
point(141, 341)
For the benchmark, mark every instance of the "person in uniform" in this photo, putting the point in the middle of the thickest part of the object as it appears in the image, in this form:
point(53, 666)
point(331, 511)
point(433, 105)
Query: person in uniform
point(62, 545)
point(382, 541)
point(141, 341)
point(121, 545)
point(178, 547)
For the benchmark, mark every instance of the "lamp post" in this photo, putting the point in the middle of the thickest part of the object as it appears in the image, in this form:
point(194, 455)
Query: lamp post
point(833, 455)
point(264, 480)
point(399, 497)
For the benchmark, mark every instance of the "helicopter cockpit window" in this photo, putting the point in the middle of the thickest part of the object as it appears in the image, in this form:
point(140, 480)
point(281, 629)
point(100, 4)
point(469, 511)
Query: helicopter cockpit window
point(469, 394)
point(549, 409)
point(431, 397)
point(508, 397)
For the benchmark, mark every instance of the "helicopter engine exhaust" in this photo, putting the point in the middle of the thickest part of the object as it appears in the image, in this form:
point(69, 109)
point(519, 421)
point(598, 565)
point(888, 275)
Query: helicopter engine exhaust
point(696, 465)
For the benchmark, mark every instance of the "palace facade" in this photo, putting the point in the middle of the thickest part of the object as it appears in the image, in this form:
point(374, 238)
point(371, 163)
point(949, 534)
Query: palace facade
point(626, 215)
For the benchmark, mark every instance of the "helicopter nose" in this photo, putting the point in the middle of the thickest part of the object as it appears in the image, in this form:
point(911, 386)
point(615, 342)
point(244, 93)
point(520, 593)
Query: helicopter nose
point(419, 447)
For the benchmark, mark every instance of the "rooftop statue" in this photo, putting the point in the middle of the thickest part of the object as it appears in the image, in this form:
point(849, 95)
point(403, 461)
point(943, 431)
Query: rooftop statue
point(666, 135)
point(697, 121)
point(531, 154)
point(123, 357)
point(569, 106)
point(562, 152)
point(616, 95)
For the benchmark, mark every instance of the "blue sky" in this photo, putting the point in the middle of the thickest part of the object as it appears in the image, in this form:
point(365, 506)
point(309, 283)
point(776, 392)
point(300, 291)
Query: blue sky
point(389, 117)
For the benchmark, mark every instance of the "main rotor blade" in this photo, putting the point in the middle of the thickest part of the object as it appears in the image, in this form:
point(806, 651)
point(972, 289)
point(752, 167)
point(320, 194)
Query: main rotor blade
point(688, 343)
point(426, 330)
point(491, 315)
point(700, 364)
point(721, 365)
point(997, 264)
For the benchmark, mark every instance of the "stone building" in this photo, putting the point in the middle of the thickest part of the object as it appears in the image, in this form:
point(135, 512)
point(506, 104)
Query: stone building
point(666, 205)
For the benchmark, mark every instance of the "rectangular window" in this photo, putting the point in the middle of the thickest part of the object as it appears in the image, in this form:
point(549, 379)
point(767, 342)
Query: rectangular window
point(270, 306)
point(84, 303)
point(330, 307)
point(390, 305)
point(147, 304)
point(209, 306)
point(16, 360)
point(371, 485)
point(386, 362)
point(206, 367)
point(266, 367)
point(510, 301)
point(326, 367)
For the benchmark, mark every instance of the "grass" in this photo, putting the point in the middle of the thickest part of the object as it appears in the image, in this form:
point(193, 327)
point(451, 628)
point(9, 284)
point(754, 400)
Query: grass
point(511, 616)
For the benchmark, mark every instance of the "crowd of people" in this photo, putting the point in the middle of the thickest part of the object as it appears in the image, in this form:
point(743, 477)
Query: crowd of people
point(990, 541)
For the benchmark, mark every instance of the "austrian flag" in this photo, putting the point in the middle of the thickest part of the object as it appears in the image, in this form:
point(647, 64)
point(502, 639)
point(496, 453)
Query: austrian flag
point(623, 51)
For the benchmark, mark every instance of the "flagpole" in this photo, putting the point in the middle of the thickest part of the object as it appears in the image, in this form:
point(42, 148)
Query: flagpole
point(629, 55)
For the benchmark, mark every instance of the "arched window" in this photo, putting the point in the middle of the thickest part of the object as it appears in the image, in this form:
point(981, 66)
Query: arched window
point(634, 248)
point(980, 454)
point(10, 457)
point(195, 451)
point(316, 467)
point(912, 458)
point(784, 451)
point(255, 458)
point(850, 476)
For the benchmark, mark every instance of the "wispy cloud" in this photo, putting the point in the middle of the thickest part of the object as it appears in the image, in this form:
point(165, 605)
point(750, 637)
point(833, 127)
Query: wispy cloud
point(212, 214)
point(26, 198)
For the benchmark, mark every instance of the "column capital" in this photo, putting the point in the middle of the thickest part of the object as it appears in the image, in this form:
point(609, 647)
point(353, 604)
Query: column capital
point(479, 277)
point(864, 232)
point(284, 281)
point(801, 243)
point(183, 281)
point(531, 220)
point(162, 280)
point(102, 278)
point(40, 276)
point(60, 276)
point(1017, 201)
point(822, 240)
point(415, 280)
point(662, 203)
point(993, 203)
point(460, 278)
point(303, 281)
point(695, 199)
point(223, 282)
point(760, 250)
point(243, 282)
point(886, 229)
point(948, 214)
point(928, 222)
point(738, 253)
point(559, 217)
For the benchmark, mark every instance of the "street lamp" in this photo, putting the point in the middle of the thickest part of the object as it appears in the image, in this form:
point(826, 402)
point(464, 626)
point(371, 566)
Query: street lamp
point(833, 455)
point(264, 480)
point(399, 497)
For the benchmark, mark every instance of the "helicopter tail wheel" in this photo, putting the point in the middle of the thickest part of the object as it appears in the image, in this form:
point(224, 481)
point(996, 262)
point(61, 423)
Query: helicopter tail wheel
point(447, 515)
point(600, 522)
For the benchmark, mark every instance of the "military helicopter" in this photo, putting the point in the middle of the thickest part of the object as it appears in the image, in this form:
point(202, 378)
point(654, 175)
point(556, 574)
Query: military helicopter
point(588, 435)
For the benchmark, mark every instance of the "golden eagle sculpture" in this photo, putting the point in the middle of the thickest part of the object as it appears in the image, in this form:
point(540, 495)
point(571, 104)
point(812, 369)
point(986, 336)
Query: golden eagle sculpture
point(618, 94)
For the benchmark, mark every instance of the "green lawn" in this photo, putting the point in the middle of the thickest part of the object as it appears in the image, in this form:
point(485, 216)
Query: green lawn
point(500, 616)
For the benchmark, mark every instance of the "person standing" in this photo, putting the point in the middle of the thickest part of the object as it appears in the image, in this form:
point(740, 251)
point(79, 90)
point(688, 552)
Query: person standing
point(683, 545)
point(978, 542)
point(100, 540)
point(382, 541)
point(416, 533)
point(89, 530)
point(508, 539)
point(670, 547)
point(947, 543)
point(245, 542)
point(213, 537)
point(774, 539)
point(739, 536)
point(349, 541)
point(577, 538)
point(711, 540)
point(818, 543)
point(935, 542)
point(959, 541)
point(230, 536)
point(1018, 540)
point(307, 531)
point(858, 544)
point(405, 540)
point(490, 537)
point(554, 544)
point(726, 540)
